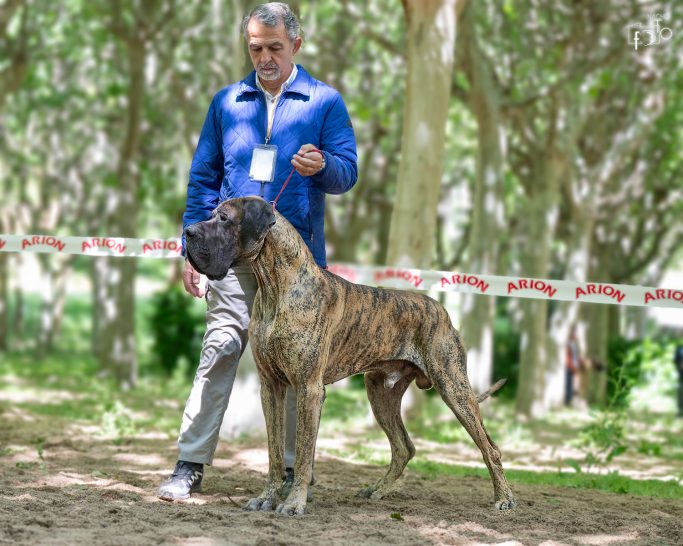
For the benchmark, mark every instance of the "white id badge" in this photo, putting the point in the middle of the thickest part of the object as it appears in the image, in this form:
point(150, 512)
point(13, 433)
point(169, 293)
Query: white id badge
point(263, 163)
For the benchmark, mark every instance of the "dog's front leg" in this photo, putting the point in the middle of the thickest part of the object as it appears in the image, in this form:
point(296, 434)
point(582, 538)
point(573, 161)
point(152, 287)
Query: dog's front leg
point(309, 401)
point(273, 402)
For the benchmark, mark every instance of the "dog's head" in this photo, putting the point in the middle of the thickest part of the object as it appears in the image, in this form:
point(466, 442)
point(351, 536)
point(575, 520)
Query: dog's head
point(236, 230)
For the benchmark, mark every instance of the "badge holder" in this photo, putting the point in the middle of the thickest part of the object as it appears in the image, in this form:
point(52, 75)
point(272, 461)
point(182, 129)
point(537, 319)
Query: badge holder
point(263, 165)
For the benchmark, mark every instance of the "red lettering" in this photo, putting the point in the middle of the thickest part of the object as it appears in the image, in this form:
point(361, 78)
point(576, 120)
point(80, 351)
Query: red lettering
point(99, 242)
point(344, 272)
point(470, 280)
point(43, 241)
point(158, 244)
point(602, 290)
point(530, 284)
point(398, 274)
point(2, 243)
point(664, 294)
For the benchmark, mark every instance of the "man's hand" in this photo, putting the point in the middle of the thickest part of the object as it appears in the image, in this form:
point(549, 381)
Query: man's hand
point(191, 281)
point(307, 162)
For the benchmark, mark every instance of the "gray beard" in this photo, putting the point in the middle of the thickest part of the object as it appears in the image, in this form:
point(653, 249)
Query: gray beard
point(272, 77)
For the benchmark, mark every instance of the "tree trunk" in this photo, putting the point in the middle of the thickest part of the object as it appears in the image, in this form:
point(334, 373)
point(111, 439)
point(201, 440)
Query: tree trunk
point(487, 216)
point(56, 273)
point(539, 217)
point(635, 322)
point(566, 314)
point(4, 301)
point(115, 277)
point(431, 48)
point(18, 319)
point(597, 337)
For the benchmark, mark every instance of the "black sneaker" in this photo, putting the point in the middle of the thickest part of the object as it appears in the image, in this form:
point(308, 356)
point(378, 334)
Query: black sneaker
point(288, 481)
point(186, 479)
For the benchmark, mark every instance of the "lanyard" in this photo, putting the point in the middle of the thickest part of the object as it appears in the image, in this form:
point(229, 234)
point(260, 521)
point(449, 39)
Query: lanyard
point(271, 114)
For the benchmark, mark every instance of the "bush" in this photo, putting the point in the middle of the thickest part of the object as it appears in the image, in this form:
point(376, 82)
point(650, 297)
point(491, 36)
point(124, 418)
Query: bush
point(506, 354)
point(634, 364)
point(176, 330)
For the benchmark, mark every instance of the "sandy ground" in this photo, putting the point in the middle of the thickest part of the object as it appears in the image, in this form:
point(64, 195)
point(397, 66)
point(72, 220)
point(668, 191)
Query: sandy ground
point(73, 487)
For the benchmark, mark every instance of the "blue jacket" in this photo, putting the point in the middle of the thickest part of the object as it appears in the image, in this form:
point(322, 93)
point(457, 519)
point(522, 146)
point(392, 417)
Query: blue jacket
point(308, 112)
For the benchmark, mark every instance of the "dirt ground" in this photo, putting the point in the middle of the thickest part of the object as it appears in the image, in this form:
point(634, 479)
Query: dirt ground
point(73, 487)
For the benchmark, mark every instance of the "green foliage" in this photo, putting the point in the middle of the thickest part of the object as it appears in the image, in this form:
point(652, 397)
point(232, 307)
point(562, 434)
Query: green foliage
point(602, 440)
point(639, 372)
point(117, 422)
point(176, 329)
point(505, 351)
point(623, 372)
point(118, 416)
point(611, 483)
point(605, 437)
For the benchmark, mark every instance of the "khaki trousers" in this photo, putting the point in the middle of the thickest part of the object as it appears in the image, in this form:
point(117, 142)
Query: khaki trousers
point(229, 302)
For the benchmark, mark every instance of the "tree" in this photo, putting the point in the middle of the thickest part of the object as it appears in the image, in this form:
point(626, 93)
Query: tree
point(430, 58)
point(13, 46)
point(484, 97)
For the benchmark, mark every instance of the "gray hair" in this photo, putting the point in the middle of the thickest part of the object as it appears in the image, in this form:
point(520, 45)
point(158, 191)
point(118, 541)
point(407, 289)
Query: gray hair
point(271, 15)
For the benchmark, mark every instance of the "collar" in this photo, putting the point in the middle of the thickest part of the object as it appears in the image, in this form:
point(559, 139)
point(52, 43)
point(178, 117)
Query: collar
point(283, 87)
point(301, 83)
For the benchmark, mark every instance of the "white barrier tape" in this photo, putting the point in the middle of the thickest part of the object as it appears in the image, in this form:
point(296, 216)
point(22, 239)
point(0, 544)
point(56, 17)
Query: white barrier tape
point(391, 277)
point(492, 285)
point(92, 246)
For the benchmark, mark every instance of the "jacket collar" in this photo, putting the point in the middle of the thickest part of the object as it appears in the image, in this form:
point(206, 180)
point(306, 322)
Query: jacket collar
point(301, 84)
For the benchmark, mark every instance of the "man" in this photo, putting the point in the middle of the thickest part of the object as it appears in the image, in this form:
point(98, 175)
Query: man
point(572, 366)
point(678, 361)
point(256, 130)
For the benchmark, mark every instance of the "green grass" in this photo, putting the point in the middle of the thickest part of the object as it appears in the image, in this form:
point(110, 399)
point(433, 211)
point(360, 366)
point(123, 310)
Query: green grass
point(610, 483)
point(68, 387)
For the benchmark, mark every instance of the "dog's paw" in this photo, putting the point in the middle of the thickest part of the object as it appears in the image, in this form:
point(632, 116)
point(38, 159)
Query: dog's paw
point(260, 503)
point(291, 509)
point(506, 504)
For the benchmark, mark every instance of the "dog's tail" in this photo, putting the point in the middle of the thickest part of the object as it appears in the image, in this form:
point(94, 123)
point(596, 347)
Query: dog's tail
point(497, 385)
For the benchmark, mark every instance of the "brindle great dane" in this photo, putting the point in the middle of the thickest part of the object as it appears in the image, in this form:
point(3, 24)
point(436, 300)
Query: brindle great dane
point(310, 328)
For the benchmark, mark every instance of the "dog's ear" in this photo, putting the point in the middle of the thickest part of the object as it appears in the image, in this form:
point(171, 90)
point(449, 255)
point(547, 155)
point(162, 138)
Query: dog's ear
point(257, 219)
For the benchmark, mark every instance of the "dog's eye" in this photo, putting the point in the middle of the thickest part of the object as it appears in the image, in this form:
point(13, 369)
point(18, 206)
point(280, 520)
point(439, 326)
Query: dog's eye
point(223, 217)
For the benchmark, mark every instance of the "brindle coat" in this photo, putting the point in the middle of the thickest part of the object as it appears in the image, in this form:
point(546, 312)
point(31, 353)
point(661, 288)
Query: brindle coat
point(310, 328)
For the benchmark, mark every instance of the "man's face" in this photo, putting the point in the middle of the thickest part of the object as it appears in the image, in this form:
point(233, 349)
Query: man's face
point(271, 53)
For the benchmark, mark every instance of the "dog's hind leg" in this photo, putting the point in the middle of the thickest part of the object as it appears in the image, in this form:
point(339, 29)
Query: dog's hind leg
point(385, 393)
point(451, 383)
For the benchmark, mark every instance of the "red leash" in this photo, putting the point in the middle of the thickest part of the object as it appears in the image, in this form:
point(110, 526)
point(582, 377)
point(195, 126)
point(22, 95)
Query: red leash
point(289, 178)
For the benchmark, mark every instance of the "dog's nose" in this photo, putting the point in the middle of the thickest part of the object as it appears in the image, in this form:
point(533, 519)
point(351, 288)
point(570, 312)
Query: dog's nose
point(191, 231)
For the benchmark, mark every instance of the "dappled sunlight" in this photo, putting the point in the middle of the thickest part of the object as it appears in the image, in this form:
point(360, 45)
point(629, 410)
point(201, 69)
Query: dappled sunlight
point(140, 459)
point(597, 540)
point(198, 541)
point(66, 479)
point(469, 532)
point(23, 497)
point(253, 459)
point(20, 415)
